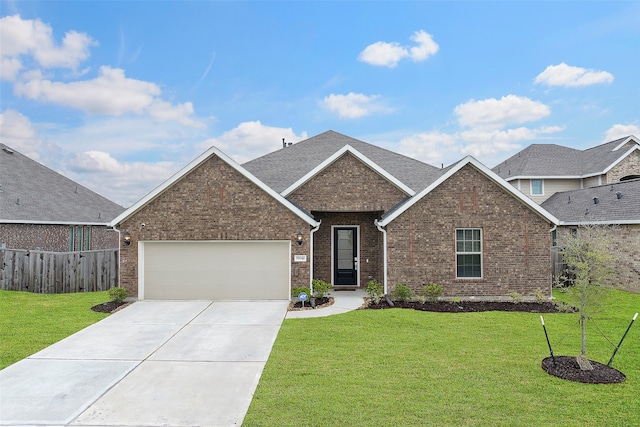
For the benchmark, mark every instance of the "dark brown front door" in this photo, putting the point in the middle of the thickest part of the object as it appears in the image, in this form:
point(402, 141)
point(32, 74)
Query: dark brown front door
point(345, 256)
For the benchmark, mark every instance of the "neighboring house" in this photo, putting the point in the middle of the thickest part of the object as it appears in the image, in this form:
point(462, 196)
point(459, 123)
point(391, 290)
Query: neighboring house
point(337, 209)
point(616, 206)
point(540, 170)
point(41, 209)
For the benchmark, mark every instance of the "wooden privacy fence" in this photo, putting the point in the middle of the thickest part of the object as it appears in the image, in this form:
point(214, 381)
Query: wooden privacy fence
point(58, 272)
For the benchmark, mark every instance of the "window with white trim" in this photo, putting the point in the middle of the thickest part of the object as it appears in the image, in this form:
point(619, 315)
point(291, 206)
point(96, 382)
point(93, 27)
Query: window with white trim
point(537, 187)
point(468, 253)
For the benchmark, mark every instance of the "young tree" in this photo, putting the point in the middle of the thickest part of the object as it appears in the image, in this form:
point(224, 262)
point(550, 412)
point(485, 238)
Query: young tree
point(591, 263)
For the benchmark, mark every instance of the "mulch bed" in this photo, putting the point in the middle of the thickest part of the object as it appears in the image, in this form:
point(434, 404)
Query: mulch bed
point(110, 307)
point(319, 303)
point(470, 306)
point(566, 367)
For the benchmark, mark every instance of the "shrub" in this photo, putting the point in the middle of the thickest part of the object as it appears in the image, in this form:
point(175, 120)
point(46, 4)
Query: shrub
point(117, 294)
point(320, 288)
point(403, 293)
point(375, 291)
point(297, 291)
point(539, 296)
point(433, 291)
point(516, 297)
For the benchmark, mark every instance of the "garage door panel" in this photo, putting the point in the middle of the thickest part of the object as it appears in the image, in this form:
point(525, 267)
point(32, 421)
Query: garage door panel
point(216, 270)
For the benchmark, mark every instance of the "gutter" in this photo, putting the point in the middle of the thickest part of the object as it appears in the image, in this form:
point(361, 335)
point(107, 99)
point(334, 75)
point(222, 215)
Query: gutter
point(119, 252)
point(384, 251)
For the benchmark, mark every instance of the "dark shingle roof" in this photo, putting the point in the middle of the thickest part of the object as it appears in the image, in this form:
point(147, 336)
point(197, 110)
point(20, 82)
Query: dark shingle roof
point(618, 203)
point(284, 167)
point(540, 160)
point(31, 192)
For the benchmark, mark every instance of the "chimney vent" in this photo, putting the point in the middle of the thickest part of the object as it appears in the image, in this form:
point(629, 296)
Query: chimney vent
point(596, 200)
point(619, 195)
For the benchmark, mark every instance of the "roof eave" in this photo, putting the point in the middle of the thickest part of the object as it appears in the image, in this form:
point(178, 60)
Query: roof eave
point(38, 222)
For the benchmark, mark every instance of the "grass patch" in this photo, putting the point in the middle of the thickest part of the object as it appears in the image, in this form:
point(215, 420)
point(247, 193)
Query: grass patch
point(30, 322)
point(404, 367)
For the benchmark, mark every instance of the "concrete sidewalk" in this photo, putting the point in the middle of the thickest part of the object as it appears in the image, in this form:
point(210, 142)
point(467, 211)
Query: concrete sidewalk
point(344, 301)
point(155, 363)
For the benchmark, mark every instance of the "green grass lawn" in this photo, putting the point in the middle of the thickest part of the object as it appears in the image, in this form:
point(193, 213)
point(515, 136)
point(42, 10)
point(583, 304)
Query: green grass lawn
point(403, 367)
point(30, 322)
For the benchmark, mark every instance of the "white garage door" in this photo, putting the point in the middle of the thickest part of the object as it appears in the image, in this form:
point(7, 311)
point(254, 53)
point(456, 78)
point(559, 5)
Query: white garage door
point(228, 270)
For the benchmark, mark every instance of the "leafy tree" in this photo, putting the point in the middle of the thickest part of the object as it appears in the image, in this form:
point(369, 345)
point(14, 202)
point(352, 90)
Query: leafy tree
point(590, 262)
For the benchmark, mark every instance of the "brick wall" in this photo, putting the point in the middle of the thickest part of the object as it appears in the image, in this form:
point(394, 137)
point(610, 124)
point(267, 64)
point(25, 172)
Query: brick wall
point(347, 185)
point(625, 244)
point(213, 202)
point(516, 241)
point(54, 238)
point(629, 166)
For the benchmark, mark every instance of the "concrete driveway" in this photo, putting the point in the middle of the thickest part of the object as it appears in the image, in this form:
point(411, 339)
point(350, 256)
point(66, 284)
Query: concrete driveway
point(154, 363)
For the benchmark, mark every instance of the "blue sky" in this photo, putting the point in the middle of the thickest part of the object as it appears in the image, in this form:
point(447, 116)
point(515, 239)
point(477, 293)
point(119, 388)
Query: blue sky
point(120, 95)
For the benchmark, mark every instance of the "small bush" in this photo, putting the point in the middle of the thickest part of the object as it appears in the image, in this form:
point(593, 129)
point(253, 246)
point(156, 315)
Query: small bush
point(320, 288)
point(403, 293)
point(375, 291)
point(539, 296)
point(297, 291)
point(433, 291)
point(118, 294)
point(516, 297)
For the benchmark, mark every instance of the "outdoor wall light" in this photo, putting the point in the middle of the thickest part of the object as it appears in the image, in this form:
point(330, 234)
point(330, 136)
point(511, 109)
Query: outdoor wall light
point(127, 238)
point(299, 237)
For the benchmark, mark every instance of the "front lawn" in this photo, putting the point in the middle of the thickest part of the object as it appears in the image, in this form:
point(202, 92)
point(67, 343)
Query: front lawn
point(403, 367)
point(30, 322)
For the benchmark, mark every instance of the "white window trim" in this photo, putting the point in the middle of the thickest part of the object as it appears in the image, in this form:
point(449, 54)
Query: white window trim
point(481, 253)
point(541, 187)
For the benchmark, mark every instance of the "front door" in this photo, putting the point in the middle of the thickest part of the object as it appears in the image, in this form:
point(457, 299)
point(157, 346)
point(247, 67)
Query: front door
point(345, 256)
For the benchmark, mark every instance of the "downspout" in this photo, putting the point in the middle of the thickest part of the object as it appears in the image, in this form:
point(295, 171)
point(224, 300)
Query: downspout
point(313, 230)
point(384, 252)
point(119, 252)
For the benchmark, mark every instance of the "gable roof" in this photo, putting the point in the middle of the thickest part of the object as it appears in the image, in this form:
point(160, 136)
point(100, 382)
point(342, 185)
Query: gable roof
point(213, 151)
point(618, 203)
point(337, 155)
point(31, 193)
point(555, 161)
point(397, 210)
point(282, 169)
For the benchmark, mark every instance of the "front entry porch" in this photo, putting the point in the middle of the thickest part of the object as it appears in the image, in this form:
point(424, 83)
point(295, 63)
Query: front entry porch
point(347, 249)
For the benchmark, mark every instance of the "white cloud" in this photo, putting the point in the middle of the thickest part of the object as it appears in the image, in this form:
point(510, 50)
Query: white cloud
point(352, 105)
point(9, 68)
point(111, 93)
point(430, 147)
point(497, 113)
point(620, 131)
point(250, 140)
point(121, 182)
point(33, 37)
point(389, 54)
point(17, 132)
point(570, 76)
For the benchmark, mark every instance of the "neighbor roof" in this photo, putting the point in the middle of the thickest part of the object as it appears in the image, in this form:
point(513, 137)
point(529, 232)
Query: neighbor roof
point(550, 160)
point(34, 194)
point(287, 166)
point(617, 203)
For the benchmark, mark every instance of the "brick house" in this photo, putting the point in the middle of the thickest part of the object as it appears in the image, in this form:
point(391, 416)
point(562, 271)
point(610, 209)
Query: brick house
point(614, 206)
point(540, 170)
point(337, 209)
point(42, 209)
